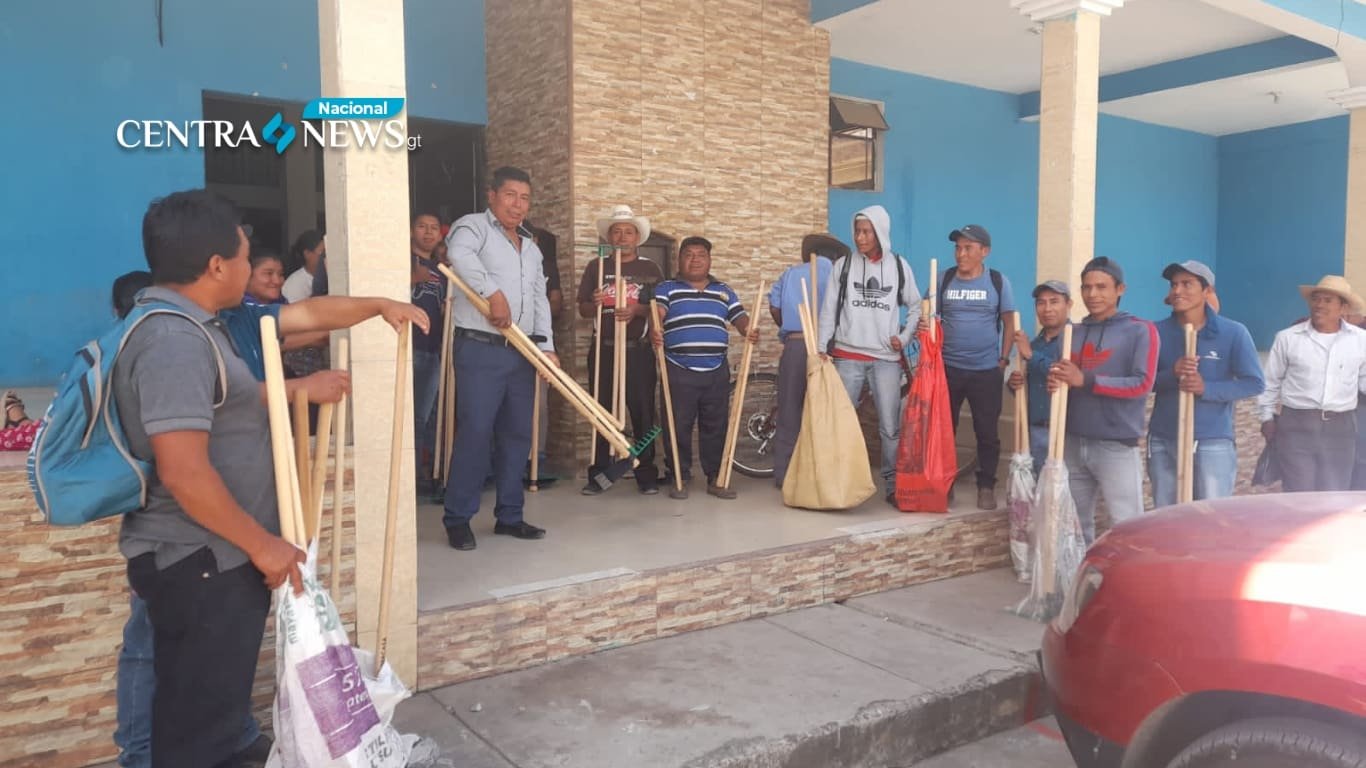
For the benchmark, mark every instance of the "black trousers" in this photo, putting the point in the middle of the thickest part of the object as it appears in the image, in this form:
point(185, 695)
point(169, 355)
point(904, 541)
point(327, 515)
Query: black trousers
point(791, 402)
point(640, 403)
point(983, 391)
point(206, 636)
point(700, 398)
point(1316, 451)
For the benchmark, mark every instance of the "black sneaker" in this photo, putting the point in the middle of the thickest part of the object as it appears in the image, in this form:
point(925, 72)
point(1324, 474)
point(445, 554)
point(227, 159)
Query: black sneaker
point(522, 530)
point(649, 489)
point(461, 537)
point(591, 489)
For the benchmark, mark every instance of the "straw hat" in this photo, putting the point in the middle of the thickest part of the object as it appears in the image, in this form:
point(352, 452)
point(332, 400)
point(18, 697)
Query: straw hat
point(624, 213)
point(1338, 286)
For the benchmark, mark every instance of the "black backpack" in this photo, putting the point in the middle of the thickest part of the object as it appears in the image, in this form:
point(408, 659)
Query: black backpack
point(996, 282)
point(844, 289)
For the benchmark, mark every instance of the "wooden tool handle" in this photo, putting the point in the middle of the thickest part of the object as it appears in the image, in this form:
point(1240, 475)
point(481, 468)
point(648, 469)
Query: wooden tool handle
point(281, 441)
point(338, 480)
point(391, 508)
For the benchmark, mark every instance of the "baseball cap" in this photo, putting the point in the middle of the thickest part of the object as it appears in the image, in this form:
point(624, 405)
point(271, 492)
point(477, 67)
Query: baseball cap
point(1106, 265)
point(1193, 267)
point(1056, 286)
point(975, 232)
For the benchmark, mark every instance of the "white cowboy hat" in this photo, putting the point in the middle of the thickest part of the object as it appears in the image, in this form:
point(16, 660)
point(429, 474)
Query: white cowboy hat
point(624, 213)
point(1338, 286)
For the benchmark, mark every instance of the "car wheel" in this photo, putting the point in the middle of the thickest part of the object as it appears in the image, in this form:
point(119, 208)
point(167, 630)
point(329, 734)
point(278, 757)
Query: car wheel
point(1275, 743)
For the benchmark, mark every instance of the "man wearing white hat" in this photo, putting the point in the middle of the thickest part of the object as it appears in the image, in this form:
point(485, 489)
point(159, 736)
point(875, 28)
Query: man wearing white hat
point(1315, 372)
point(624, 231)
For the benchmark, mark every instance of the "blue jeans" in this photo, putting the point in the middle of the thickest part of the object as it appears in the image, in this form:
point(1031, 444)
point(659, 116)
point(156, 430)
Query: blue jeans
point(1216, 469)
point(1113, 468)
point(496, 386)
point(1038, 445)
point(883, 377)
point(426, 387)
point(136, 683)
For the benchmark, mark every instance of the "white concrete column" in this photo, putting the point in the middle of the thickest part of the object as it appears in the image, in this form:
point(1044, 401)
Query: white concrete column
point(361, 45)
point(1068, 111)
point(1354, 252)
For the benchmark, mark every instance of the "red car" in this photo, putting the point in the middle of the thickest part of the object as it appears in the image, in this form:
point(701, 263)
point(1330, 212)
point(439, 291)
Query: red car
point(1226, 633)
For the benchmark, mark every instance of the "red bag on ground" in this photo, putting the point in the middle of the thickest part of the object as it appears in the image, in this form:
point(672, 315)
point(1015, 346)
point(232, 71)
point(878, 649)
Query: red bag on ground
point(927, 458)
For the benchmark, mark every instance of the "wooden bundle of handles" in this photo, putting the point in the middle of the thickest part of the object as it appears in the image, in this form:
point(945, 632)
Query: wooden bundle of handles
point(1057, 431)
point(1021, 399)
point(294, 481)
point(1185, 433)
point(587, 406)
point(445, 399)
point(737, 408)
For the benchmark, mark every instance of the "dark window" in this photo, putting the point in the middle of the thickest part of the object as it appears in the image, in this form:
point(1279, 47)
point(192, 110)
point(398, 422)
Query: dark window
point(855, 142)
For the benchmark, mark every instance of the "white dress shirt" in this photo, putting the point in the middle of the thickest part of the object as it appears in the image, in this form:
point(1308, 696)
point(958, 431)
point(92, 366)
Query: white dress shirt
point(298, 286)
point(1304, 372)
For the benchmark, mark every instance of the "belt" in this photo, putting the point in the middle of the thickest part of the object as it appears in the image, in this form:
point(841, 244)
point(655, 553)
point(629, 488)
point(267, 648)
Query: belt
point(1322, 414)
point(608, 342)
point(496, 339)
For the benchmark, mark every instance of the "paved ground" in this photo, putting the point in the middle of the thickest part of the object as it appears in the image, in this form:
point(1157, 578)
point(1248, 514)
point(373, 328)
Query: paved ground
point(883, 680)
point(1037, 745)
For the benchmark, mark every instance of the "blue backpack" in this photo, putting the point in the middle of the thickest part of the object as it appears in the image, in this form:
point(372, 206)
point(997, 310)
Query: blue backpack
point(80, 467)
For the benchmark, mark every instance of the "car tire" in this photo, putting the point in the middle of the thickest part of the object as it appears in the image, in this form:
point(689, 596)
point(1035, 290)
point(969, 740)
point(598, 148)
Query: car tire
point(1275, 743)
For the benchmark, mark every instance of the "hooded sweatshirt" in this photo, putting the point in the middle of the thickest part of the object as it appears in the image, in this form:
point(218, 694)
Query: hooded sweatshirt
point(1118, 358)
point(871, 315)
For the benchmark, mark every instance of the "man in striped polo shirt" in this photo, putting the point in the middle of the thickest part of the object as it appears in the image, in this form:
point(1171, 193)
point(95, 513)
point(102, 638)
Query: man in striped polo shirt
point(695, 338)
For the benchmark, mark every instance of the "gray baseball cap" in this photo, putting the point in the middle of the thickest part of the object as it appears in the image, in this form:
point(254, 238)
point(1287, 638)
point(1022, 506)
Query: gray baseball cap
point(1194, 267)
point(1056, 286)
point(975, 232)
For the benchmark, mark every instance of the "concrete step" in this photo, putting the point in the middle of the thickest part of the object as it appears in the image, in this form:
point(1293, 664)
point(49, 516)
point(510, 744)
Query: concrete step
point(883, 680)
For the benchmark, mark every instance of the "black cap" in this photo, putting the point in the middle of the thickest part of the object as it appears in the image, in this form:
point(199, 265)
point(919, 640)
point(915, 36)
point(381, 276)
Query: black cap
point(1104, 264)
point(1056, 286)
point(974, 232)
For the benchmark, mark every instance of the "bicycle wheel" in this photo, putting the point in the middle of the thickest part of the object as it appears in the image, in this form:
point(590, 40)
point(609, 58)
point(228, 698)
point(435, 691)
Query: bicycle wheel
point(758, 424)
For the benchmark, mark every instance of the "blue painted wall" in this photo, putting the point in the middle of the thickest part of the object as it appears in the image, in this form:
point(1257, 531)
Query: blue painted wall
point(1282, 198)
point(73, 199)
point(1157, 200)
point(957, 155)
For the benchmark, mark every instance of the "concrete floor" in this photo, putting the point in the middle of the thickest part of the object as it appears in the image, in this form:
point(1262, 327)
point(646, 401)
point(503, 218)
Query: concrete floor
point(621, 531)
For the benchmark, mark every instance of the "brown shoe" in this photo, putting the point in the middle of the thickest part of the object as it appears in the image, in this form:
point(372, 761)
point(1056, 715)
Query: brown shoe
point(719, 492)
point(986, 498)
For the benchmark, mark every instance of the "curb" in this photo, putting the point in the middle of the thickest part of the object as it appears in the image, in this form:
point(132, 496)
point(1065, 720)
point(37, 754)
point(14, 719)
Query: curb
point(899, 733)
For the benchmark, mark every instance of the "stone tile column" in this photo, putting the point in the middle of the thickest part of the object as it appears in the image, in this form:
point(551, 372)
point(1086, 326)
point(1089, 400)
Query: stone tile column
point(1354, 252)
point(361, 46)
point(1068, 110)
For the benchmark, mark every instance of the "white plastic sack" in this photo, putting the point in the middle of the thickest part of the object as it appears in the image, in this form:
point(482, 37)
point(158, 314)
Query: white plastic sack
point(329, 711)
point(1057, 543)
point(1019, 500)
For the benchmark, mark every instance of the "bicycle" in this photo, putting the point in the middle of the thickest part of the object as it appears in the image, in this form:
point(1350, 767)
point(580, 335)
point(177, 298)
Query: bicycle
point(759, 423)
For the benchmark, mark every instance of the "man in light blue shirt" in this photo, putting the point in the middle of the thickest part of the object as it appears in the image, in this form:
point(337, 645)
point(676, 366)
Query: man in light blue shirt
point(496, 384)
point(783, 302)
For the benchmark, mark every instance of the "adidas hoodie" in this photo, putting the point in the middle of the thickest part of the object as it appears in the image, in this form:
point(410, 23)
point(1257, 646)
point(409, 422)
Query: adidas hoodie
point(871, 315)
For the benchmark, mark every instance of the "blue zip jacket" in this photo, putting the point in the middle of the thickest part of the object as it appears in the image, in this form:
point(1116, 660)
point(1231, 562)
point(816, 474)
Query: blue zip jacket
point(1228, 364)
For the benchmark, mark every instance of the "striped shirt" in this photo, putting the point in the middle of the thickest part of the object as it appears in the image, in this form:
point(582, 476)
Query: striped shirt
point(695, 332)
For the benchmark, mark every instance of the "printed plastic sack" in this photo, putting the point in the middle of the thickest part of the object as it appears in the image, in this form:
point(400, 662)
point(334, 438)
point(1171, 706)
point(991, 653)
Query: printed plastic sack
point(1019, 500)
point(329, 711)
point(829, 467)
point(1058, 544)
point(926, 459)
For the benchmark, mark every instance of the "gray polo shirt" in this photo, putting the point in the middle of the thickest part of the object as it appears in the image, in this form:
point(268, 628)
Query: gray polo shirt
point(481, 253)
point(166, 380)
